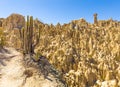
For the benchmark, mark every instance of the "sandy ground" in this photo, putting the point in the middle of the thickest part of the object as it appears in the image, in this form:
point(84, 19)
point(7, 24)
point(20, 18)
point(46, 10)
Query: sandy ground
point(12, 72)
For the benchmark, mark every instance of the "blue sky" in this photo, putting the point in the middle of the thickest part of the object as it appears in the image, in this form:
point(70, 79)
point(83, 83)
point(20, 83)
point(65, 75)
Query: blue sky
point(63, 11)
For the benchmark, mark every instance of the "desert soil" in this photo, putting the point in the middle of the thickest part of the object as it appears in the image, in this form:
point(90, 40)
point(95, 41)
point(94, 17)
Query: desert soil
point(12, 72)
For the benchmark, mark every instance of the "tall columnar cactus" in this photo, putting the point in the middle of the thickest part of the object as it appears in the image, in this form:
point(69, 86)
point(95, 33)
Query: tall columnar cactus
point(95, 18)
point(30, 35)
point(29, 38)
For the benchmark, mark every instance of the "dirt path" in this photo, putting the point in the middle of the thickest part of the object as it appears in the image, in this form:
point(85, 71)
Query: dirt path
point(12, 73)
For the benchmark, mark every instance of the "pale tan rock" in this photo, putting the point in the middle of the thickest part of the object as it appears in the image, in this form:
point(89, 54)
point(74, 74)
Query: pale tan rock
point(109, 75)
point(110, 83)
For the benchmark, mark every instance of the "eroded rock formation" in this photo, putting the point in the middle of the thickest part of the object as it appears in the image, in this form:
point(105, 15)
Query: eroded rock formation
point(87, 54)
point(14, 21)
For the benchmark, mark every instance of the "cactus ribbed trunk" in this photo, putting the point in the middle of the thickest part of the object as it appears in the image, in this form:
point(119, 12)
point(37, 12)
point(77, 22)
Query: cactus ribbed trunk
point(27, 35)
point(31, 50)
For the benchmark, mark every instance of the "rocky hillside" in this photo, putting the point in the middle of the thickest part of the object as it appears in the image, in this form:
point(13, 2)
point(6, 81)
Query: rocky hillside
point(88, 55)
point(13, 21)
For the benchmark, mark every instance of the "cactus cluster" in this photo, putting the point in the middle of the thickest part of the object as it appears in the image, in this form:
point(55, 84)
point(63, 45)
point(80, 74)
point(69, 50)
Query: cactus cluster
point(30, 36)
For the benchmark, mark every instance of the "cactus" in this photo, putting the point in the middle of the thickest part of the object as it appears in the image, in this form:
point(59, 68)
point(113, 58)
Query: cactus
point(29, 38)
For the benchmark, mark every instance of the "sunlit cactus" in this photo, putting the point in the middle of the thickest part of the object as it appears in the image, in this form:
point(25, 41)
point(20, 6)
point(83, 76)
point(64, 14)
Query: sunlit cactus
point(29, 38)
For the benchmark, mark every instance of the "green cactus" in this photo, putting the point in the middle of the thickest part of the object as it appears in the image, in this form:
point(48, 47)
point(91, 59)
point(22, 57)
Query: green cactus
point(29, 38)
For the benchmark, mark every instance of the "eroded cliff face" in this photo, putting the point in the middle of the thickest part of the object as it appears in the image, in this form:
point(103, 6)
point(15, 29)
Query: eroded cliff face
point(14, 21)
point(87, 54)
point(11, 26)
